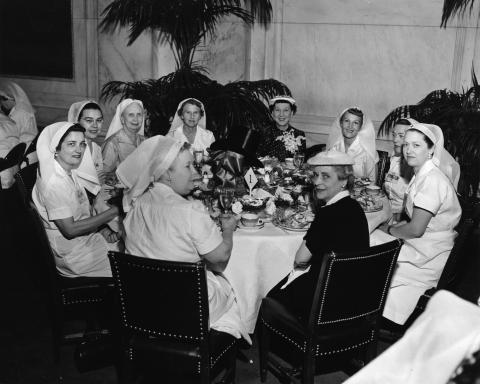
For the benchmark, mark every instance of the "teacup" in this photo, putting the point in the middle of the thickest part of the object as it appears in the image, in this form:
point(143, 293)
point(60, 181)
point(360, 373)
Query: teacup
point(251, 220)
point(372, 190)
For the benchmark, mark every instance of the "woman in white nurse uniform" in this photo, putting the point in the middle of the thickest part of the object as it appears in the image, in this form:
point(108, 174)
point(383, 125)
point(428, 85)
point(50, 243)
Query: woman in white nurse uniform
point(434, 211)
point(79, 239)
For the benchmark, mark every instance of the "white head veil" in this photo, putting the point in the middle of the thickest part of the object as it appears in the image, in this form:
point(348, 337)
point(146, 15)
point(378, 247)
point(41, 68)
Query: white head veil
point(46, 144)
point(146, 163)
point(13, 90)
point(178, 122)
point(116, 123)
point(76, 108)
point(441, 157)
point(87, 173)
point(366, 135)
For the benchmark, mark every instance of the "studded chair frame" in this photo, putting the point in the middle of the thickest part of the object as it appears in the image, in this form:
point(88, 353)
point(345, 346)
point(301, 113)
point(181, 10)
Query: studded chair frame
point(164, 316)
point(344, 318)
point(79, 298)
point(25, 180)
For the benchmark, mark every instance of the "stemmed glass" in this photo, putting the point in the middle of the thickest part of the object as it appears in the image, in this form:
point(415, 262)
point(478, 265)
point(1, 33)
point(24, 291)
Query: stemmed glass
point(298, 160)
point(226, 198)
point(198, 159)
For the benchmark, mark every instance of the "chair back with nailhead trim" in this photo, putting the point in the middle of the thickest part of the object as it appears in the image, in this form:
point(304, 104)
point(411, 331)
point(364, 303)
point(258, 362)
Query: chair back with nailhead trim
point(344, 319)
point(164, 315)
point(161, 298)
point(351, 293)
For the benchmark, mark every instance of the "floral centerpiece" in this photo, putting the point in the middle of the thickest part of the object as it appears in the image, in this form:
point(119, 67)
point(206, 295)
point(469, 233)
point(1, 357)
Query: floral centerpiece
point(292, 143)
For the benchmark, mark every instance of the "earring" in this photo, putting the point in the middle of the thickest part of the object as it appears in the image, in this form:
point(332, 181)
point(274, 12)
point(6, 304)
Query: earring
point(55, 155)
point(430, 155)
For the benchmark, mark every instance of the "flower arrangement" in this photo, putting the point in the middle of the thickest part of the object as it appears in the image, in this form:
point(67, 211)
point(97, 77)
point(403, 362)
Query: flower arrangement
point(291, 142)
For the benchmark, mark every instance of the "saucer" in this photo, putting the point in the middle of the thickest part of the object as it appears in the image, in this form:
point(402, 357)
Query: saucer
point(254, 228)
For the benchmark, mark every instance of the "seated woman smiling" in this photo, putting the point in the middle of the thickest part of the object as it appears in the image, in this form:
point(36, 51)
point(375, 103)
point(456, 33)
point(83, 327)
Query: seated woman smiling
point(340, 225)
point(80, 240)
point(433, 211)
point(189, 125)
point(353, 133)
point(162, 223)
point(125, 133)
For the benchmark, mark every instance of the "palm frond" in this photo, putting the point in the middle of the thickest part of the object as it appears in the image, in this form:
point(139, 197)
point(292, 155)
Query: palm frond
point(261, 10)
point(398, 113)
point(182, 24)
point(454, 7)
point(241, 103)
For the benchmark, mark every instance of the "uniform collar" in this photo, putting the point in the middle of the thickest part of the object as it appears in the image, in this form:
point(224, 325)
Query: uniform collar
point(340, 195)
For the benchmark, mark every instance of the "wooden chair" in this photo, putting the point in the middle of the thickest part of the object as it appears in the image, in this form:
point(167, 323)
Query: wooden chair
point(383, 166)
point(25, 180)
point(79, 298)
point(165, 321)
point(344, 318)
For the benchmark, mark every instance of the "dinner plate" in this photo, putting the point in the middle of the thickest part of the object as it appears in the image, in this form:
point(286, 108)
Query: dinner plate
point(288, 228)
point(255, 228)
point(377, 209)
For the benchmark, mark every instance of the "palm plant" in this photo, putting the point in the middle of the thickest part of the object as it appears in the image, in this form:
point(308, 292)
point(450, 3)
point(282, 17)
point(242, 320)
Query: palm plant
point(183, 25)
point(454, 7)
point(458, 114)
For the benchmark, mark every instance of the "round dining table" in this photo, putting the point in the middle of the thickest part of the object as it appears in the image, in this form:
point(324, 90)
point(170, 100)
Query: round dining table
point(262, 257)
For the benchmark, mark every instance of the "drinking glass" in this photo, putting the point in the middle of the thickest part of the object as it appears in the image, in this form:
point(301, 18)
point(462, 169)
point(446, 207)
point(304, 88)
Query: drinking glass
point(226, 198)
point(198, 158)
point(298, 159)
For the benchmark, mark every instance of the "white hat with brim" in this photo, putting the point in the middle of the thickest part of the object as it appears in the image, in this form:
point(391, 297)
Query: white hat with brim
point(331, 157)
point(287, 99)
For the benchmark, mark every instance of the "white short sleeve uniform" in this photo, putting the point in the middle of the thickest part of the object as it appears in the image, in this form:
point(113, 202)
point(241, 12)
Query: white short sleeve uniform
point(164, 225)
point(422, 259)
point(364, 164)
point(203, 139)
point(63, 197)
point(395, 185)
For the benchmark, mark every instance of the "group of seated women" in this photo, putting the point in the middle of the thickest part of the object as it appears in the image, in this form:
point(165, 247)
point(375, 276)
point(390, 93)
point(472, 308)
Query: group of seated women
point(157, 175)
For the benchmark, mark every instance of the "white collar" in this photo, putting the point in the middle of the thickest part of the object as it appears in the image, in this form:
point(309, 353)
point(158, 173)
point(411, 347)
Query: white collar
point(340, 195)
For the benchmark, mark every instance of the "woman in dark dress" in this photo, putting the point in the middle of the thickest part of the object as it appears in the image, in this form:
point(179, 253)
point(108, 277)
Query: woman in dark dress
point(282, 109)
point(340, 225)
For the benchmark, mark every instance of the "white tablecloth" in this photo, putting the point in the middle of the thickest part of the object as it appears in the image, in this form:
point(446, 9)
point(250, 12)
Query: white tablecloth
point(261, 258)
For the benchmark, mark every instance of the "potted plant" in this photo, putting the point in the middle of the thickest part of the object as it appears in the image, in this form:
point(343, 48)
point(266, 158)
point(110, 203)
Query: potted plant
point(184, 25)
point(458, 114)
